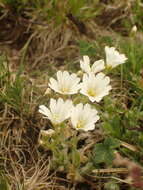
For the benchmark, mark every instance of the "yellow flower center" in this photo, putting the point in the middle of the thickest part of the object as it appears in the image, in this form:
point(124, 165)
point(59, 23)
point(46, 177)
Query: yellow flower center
point(64, 90)
point(109, 67)
point(91, 92)
point(80, 124)
point(56, 117)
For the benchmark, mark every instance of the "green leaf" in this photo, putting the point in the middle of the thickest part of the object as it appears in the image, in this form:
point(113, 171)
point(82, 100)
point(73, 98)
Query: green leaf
point(112, 143)
point(3, 183)
point(75, 156)
point(104, 152)
point(113, 127)
point(86, 48)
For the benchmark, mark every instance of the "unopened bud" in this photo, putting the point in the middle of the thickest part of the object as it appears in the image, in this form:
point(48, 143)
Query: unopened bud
point(133, 31)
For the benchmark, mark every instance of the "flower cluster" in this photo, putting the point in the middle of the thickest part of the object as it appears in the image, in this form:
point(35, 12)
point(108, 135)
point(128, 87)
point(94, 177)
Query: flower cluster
point(94, 84)
point(81, 116)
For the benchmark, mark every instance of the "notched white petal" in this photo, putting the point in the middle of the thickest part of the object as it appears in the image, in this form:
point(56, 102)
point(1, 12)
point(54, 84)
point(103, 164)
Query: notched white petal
point(65, 83)
point(83, 117)
point(94, 86)
point(58, 110)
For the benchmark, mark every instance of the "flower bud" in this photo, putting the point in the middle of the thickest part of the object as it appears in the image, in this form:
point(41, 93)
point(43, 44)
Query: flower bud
point(134, 29)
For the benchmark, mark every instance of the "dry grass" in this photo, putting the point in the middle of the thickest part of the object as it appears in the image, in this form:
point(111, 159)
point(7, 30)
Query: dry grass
point(52, 45)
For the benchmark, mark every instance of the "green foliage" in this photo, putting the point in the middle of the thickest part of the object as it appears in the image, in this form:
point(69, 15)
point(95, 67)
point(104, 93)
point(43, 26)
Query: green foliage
point(75, 7)
point(12, 86)
point(54, 10)
point(4, 183)
point(4, 71)
point(13, 94)
point(87, 48)
point(133, 117)
point(124, 124)
point(137, 13)
point(104, 152)
point(112, 118)
point(64, 150)
point(112, 185)
point(133, 50)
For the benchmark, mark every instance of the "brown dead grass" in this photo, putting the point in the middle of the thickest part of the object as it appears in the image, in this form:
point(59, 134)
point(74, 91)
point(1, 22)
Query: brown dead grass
point(52, 45)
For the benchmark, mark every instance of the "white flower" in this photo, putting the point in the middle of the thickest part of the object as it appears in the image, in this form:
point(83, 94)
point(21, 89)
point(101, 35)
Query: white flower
point(58, 112)
point(95, 86)
point(113, 57)
point(95, 68)
point(65, 83)
point(84, 117)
